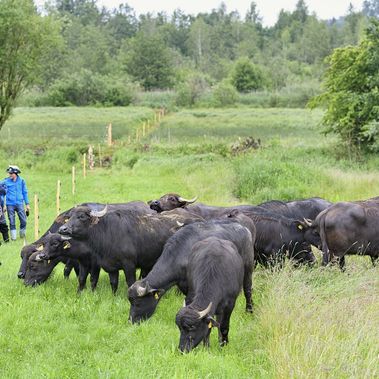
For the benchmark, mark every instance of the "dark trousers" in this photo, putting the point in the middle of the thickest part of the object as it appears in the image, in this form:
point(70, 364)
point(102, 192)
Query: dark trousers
point(3, 226)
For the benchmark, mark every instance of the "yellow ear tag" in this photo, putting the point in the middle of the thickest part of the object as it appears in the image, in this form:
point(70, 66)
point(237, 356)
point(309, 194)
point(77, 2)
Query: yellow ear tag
point(210, 325)
point(300, 227)
point(66, 246)
point(40, 248)
point(156, 296)
point(66, 220)
point(49, 261)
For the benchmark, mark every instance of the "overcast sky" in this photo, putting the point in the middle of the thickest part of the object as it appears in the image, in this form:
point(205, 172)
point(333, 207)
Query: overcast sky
point(268, 9)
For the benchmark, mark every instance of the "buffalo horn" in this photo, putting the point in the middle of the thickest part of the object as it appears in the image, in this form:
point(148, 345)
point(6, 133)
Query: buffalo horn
point(183, 200)
point(99, 213)
point(205, 311)
point(141, 291)
point(38, 257)
point(307, 221)
point(184, 303)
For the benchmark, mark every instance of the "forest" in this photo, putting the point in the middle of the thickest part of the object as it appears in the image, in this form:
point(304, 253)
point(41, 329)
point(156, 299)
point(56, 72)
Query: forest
point(109, 57)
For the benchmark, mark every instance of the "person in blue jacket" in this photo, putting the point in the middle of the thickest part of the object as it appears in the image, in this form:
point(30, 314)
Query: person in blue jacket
point(16, 197)
point(3, 223)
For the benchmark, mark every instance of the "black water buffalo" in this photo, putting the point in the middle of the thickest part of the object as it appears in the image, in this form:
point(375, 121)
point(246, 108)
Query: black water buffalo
point(349, 228)
point(28, 250)
point(171, 267)
point(169, 202)
point(277, 236)
point(297, 209)
point(123, 239)
point(57, 247)
point(38, 270)
point(215, 275)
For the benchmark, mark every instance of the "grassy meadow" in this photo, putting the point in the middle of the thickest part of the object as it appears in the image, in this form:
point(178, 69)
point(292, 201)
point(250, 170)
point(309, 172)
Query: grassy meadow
point(307, 323)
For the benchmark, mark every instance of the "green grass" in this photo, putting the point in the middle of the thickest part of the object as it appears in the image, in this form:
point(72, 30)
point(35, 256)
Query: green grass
point(317, 323)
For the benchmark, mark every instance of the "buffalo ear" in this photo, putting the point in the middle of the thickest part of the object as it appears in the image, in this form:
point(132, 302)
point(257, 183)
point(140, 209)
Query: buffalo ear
point(40, 248)
point(66, 245)
point(301, 225)
point(212, 323)
point(158, 293)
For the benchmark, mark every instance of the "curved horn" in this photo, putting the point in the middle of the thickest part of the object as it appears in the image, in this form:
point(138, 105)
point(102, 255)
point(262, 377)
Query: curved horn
point(183, 200)
point(307, 221)
point(38, 258)
point(184, 303)
point(180, 224)
point(141, 291)
point(99, 213)
point(205, 311)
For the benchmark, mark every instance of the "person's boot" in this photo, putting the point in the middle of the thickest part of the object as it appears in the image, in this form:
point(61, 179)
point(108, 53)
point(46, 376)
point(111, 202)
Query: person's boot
point(22, 233)
point(14, 235)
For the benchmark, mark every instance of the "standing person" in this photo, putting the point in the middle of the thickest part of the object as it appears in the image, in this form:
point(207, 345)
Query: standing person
point(3, 223)
point(17, 195)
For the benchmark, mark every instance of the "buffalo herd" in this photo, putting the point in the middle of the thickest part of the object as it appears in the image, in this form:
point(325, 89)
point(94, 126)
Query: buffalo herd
point(208, 252)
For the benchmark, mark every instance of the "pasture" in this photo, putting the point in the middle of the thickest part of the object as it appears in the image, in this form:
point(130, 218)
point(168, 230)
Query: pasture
point(307, 323)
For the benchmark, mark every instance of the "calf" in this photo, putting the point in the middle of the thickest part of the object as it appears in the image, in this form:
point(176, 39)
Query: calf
point(215, 275)
point(171, 267)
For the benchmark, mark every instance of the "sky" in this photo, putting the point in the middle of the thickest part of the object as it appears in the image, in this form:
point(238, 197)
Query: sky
point(268, 9)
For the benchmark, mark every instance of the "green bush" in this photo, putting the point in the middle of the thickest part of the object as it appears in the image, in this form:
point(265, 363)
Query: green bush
point(246, 76)
point(191, 90)
point(224, 94)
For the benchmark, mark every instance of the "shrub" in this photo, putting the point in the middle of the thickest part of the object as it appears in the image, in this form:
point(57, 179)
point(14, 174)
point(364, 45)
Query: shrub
point(224, 94)
point(246, 76)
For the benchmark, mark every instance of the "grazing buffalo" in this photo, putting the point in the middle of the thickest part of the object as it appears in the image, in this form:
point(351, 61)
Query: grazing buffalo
point(215, 275)
point(349, 228)
point(38, 270)
point(122, 239)
point(171, 267)
point(276, 235)
point(28, 250)
point(169, 202)
point(57, 247)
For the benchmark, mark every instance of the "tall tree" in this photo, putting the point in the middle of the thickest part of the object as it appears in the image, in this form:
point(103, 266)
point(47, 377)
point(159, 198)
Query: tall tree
point(149, 61)
point(25, 38)
point(351, 91)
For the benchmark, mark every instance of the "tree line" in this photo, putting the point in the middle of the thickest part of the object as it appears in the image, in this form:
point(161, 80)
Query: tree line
point(102, 55)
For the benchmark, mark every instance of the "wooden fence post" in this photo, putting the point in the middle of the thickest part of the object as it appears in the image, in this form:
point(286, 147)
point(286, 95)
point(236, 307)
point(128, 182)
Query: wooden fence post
point(84, 165)
point(91, 158)
point(100, 160)
point(58, 197)
point(36, 218)
point(73, 180)
point(109, 129)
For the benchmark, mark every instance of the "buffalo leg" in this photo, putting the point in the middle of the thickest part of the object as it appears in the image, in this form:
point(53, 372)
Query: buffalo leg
point(113, 278)
point(224, 325)
point(83, 274)
point(247, 288)
point(68, 268)
point(95, 272)
point(341, 263)
point(130, 274)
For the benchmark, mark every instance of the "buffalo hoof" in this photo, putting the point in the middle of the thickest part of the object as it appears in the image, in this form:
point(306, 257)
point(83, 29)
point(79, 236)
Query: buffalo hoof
point(249, 309)
point(21, 275)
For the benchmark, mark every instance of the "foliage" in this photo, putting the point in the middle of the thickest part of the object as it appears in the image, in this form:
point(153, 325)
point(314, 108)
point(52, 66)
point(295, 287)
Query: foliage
point(351, 91)
point(87, 88)
point(246, 76)
point(150, 62)
point(224, 94)
point(25, 39)
point(189, 91)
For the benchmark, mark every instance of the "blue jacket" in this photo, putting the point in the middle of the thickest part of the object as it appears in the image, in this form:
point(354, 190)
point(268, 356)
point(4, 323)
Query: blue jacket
point(17, 193)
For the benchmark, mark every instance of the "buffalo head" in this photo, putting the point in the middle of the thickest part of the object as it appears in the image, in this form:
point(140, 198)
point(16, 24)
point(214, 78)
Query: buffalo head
point(170, 201)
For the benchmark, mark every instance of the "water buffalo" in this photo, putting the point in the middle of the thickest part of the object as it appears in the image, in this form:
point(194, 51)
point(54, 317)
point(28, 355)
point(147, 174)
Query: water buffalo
point(215, 275)
point(38, 270)
point(349, 228)
point(169, 202)
point(28, 250)
point(57, 247)
point(123, 239)
point(171, 267)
